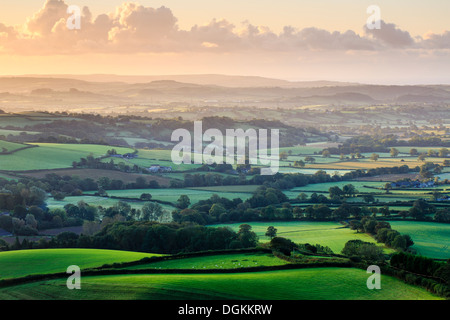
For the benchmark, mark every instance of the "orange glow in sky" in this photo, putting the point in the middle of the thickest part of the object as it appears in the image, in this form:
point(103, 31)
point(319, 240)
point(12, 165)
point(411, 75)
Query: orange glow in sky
point(294, 40)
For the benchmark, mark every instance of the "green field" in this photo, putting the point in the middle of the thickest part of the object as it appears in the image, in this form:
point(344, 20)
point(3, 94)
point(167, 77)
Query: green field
point(430, 239)
point(303, 284)
point(6, 146)
point(220, 261)
point(52, 156)
point(14, 264)
point(172, 195)
point(330, 234)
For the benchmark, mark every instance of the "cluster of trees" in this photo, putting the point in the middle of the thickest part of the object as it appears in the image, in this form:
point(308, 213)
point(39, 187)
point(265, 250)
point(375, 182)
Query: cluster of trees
point(368, 251)
point(421, 265)
point(91, 162)
point(207, 180)
point(385, 144)
point(382, 232)
point(151, 237)
point(34, 192)
point(28, 221)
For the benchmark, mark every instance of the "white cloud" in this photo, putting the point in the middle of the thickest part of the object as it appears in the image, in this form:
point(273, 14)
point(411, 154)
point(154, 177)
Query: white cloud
point(134, 28)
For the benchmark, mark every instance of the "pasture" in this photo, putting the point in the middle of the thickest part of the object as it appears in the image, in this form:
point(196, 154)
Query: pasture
point(300, 284)
point(52, 156)
point(220, 261)
point(431, 239)
point(6, 146)
point(327, 234)
point(15, 264)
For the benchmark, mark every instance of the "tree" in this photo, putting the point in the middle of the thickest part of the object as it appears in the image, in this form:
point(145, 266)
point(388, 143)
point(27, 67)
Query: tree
point(394, 152)
point(37, 196)
point(302, 196)
point(271, 232)
point(413, 152)
point(443, 152)
point(368, 198)
point(283, 245)
point(363, 250)
point(374, 157)
point(335, 193)
point(283, 155)
point(349, 190)
point(246, 236)
point(151, 211)
point(145, 197)
point(422, 157)
point(58, 196)
point(299, 163)
point(20, 212)
point(310, 159)
point(31, 221)
point(216, 210)
point(388, 186)
point(183, 202)
point(326, 154)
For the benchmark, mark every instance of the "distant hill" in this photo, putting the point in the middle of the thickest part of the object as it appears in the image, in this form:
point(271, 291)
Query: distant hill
point(107, 92)
point(203, 79)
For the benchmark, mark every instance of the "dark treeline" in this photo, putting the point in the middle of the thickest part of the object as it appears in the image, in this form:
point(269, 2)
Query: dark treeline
point(282, 181)
point(80, 128)
point(151, 237)
point(421, 271)
point(367, 143)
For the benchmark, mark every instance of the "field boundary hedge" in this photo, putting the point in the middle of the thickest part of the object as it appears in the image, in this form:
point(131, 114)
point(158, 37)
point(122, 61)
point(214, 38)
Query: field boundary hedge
point(26, 146)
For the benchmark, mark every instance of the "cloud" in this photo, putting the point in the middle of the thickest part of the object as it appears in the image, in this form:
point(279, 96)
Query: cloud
point(437, 41)
point(390, 35)
point(134, 28)
point(43, 21)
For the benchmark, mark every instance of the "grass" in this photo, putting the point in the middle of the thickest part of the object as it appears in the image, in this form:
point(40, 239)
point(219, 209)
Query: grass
point(172, 195)
point(302, 284)
point(431, 239)
point(52, 156)
point(14, 264)
point(232, 189)
point(6, 146)
point(220, 261)
point(330, 234)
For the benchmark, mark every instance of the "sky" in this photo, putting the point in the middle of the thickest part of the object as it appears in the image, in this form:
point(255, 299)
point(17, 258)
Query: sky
point(286, 39)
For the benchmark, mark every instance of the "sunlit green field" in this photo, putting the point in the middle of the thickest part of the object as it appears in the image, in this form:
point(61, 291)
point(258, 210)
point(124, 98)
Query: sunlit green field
point(430, 239)
point(6, 146)
point(52, 156)
point(329, 234)
point(303, 284)
point(21, 263)
point(220, 261)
